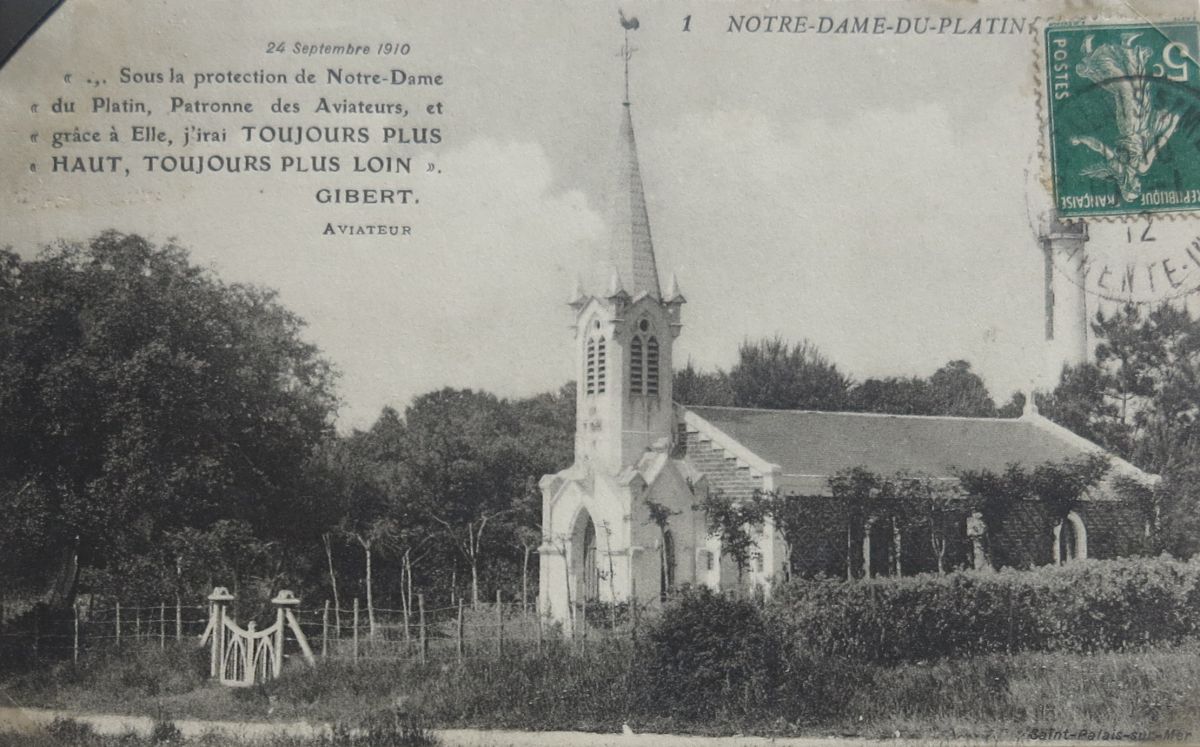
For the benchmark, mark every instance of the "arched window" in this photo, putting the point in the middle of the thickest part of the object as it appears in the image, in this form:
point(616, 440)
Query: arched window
point(1070, 539)
point(652, 366)
point(594, 364)
point(667, 575)
point(591, 568)
point(636, 361)
point(590, 366)
point(601, 365)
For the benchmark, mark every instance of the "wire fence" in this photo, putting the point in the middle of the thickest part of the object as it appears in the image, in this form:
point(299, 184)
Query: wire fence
point(350, 633)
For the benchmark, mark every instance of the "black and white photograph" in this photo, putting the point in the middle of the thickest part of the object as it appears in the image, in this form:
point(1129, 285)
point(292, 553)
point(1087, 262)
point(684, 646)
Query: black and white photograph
point(617, 374)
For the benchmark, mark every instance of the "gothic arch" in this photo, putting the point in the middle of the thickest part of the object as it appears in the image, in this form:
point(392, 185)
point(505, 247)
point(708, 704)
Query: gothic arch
point(583, 565)
point(595, 364)
point(1070, 539)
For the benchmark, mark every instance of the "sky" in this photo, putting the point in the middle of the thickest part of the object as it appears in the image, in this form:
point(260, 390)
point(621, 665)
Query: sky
point(878, 195)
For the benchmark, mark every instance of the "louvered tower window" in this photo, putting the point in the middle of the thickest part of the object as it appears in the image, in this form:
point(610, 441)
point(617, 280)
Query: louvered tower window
point(601, 365)
point(652, 366)
point(636, 362)
point(590, 366)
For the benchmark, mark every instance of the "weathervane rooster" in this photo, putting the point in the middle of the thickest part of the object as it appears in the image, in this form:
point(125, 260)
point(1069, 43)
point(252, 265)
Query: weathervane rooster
point(1120, 69)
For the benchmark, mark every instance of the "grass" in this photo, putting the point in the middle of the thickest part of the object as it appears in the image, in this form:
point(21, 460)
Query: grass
point(994, 696)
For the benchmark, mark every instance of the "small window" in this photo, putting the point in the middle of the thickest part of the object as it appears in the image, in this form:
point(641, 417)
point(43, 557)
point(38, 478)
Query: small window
point(758, 562)
point(644, 325)
point(708, 560)
point(652, 366)
point(636, 361)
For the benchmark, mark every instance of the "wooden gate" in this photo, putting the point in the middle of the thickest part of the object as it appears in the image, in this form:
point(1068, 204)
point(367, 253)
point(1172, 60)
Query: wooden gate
point(240, 657)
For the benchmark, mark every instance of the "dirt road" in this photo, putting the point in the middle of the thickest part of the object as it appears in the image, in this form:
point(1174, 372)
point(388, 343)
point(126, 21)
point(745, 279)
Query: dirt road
point(31, 720)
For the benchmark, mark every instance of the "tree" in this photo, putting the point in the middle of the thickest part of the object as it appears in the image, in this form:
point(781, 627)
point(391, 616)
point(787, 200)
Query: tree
point(896, 395)
point(464, 465)
point(789, 518)
point(993, 495)
point(1081, 403)
point(364, 514)
point(774, 374)
point(140, 395)
point(956, 390)
point(546, 423)
point(1061, 486)
point(933, 503)
point(735, 522)
point(867, 497)
point(1058, 486)
point(660, 516)
point(694, 387)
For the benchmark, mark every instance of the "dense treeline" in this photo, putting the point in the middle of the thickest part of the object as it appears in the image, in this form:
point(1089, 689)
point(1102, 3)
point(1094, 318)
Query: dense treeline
point(162, 431)
point(775, 374)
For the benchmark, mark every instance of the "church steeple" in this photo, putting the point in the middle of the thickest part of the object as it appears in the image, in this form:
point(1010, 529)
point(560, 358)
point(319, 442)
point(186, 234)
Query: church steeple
point(625, 328)
point(631, 250)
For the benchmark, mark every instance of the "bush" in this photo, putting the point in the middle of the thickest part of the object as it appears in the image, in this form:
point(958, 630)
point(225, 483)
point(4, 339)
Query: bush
point(1083, 606)
point(708, 656)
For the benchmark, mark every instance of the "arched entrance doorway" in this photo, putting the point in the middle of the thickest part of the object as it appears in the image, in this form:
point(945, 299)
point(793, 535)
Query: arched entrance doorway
point(585, 568)
point(1070, 539)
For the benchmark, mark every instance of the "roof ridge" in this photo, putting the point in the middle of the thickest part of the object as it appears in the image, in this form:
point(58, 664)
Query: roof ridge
point(861, 414)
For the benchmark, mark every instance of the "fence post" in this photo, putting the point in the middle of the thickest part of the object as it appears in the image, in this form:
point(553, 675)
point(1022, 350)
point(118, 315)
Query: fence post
point(539, 632)
point(36, 614)
point(325, 631)
point(356, 629)
point(633, 605)
point(459, 642)
point(219, 597)
point(162, 626)
point(118, 624)
point(424, 638)
point(283, 600)
point(75, 646)
point(178, 619)
point(137, 625)
point(499, 625)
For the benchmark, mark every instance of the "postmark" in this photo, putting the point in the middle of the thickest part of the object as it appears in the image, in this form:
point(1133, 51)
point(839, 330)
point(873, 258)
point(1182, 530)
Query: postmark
point(1123, 111)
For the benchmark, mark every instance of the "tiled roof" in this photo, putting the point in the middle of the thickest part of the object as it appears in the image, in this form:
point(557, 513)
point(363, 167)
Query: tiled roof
point(818, 444)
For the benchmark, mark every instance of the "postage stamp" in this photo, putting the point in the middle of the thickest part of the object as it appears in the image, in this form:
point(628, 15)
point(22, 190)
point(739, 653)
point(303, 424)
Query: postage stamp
point(1124, 112)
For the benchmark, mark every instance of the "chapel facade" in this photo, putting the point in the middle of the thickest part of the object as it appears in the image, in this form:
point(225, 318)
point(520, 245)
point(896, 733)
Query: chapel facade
point(623, 521)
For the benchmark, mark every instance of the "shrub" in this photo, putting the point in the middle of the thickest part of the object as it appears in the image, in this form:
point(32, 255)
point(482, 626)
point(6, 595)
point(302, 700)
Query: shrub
point(1083, 606)
point(707, 656)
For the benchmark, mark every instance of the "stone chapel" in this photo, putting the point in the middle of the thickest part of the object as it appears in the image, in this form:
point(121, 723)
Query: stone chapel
point(640, 457)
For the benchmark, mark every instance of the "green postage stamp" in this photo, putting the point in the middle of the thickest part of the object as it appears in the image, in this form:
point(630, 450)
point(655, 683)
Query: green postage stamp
point(1124, 110)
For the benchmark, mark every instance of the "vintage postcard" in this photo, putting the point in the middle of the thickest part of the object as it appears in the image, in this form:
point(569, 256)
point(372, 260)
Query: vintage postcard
point(672, 372)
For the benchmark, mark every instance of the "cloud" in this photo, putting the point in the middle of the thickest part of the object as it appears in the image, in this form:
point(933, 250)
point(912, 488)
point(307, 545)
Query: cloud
point(479, 299)
point(856, 234)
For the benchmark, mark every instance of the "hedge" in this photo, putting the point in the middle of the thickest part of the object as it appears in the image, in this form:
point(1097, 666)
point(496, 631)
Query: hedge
point(1082, 606)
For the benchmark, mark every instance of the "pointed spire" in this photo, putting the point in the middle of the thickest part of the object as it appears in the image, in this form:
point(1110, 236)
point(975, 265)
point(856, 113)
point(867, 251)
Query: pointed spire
point(673, 294)
point(578, 297)
point(616, 289)
point(632, 250)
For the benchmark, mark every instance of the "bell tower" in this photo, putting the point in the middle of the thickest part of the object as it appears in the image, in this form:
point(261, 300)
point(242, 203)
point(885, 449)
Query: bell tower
point(625, 332)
